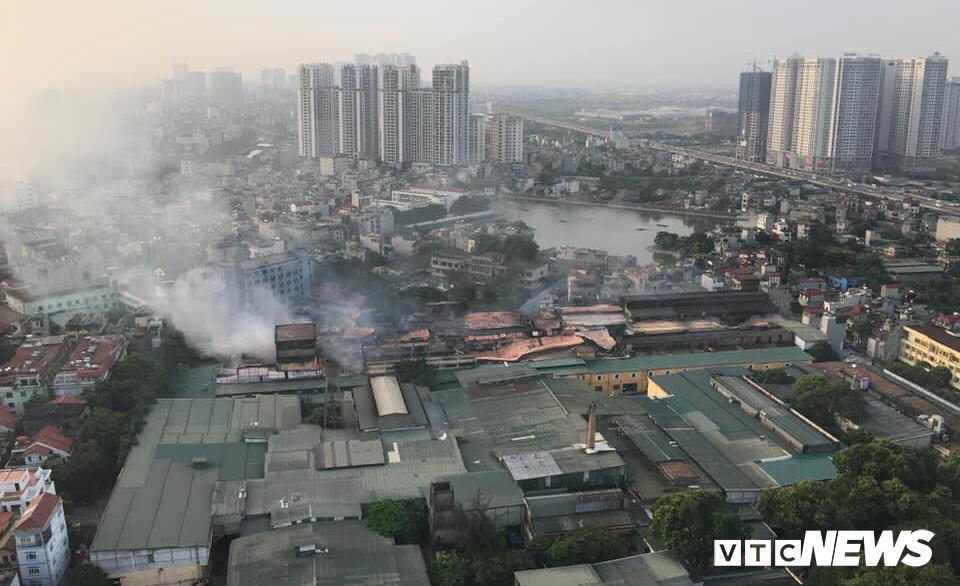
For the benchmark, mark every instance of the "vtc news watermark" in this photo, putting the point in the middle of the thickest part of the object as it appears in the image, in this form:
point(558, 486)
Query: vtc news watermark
point(828, 548)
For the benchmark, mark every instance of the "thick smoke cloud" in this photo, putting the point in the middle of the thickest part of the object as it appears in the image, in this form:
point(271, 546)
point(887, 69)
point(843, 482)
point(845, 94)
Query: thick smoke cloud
point(215, 321)
point(82, 176)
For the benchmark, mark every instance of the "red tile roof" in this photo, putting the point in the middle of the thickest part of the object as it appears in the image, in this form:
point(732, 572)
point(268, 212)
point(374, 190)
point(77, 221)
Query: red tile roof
point(8, 418)
point(51, 437)
point(40, 357)
point(38, 513)
point(5, 518)
point(92, 358)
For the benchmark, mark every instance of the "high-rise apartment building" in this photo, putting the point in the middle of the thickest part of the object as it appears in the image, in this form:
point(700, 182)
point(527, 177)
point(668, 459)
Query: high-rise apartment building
point(274, 79)
point(780, 123)
point(753, 116)
point(911, 111)
point(396, 112)
point(226, 88)
point(382, 59)
point(423, 126)
point(505, 143)
point(358, 102)
point(950, 122)
point(854, 118)
point(318, 112)
point(479, 137)
point(823, 113)
point(813, 105)
point(451, 114)
point(367, 111)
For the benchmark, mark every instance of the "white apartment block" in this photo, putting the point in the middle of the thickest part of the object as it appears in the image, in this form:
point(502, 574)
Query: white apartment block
point(20, 487)
point(43, 547)
point(911, 111)
point(373, 111)
point(950, 123)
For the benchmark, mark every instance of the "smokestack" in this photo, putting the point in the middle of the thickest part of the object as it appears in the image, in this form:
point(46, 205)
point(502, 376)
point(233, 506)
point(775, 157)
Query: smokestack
point(591, 425)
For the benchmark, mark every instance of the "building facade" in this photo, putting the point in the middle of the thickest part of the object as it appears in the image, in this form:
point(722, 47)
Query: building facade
point(226, 88)
point(780, 124)
point(43, 548)
point(506, 139)
point(753, 115)
point(911, 111)
point(396, 111)
point(934, 346)
point(451, 114)
point(853, 120)
point(950, 123)
point(379, 112)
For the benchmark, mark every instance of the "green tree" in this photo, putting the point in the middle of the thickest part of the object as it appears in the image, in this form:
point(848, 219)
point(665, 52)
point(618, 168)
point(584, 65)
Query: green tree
point(405, 521)
point(450, 569)
point(413, 371)
point(470, 205)
point(498, 570)
point(586, 545)
point(928, 575)
point(883, 460)
point(805, 506)
point(822, 352)
point(666, 240)
point(688, 523)
point(777, 376)
point(820, 398)
point(699, 243)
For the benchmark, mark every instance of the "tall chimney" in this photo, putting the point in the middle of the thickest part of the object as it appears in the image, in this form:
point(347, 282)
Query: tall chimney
point(591, 425)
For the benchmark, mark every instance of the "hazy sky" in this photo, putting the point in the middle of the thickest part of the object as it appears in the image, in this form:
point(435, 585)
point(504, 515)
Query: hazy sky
point(96, 46)
point(584, 43)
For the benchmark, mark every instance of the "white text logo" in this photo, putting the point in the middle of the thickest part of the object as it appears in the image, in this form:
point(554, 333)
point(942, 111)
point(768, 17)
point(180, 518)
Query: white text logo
point(828, 548)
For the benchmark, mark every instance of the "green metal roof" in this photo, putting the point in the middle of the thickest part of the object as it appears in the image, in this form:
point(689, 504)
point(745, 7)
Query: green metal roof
point(495, 488)
point(800, 467)
point(699, 360)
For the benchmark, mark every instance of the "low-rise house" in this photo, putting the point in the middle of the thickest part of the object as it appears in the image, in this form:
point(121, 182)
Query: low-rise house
point(8, 419)
point(31, 370)
point(90, 362)
point(64, 413)
point(19, 487)
point(49, 442)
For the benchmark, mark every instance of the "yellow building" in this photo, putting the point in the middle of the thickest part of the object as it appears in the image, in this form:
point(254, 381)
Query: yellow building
point(933, 345)
point(617, 376)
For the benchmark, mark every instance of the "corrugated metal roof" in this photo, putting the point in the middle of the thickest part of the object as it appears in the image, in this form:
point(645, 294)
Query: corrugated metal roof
point(699, 360)
point(161, 499)
point(387, 396)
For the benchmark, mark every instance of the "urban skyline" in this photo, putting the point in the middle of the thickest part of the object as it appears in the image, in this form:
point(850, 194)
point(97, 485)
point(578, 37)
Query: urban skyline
point(846, 115)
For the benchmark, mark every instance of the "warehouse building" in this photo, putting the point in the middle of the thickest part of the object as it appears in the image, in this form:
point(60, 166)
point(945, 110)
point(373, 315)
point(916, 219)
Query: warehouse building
point(631, 375)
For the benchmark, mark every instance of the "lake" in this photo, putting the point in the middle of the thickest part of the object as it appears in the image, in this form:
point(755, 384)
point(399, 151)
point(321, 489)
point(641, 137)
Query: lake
point(611, 229)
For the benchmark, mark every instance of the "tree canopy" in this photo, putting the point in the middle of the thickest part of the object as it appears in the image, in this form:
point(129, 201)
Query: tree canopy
point(689, 522)
point(405, 521)
point(879, 486)
point(819, 398)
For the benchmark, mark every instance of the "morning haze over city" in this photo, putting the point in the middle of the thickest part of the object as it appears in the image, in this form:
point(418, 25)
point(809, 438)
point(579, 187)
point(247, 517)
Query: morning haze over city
point(493, 294)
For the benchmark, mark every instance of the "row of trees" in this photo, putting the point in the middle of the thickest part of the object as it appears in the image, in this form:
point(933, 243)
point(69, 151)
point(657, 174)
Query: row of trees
point(879, 486)
point(514, 248)
point(119, 408)
point(933, 378)
point(819, 398)
point(696, 243)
